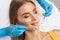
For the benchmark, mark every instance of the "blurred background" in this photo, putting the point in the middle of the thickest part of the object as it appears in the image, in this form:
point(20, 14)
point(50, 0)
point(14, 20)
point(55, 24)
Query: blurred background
point(56, 2)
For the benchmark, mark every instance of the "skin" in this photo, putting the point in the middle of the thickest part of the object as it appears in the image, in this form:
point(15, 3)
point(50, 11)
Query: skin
point(28, 16)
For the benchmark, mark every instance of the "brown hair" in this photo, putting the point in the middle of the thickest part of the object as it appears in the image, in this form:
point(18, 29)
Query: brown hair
point(14, 6)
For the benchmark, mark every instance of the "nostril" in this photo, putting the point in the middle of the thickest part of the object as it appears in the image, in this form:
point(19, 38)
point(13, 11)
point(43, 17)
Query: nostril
point(34, 18)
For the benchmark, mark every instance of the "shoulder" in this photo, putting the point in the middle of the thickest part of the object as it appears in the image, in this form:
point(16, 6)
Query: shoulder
point(57, 33)
point(46, 36)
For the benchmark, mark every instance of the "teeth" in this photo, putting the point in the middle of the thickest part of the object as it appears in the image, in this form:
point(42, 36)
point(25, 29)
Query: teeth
point(32, 24)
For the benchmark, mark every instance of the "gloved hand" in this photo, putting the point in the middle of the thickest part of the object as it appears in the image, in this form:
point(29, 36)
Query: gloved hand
point(48, 7)
point(13, 31)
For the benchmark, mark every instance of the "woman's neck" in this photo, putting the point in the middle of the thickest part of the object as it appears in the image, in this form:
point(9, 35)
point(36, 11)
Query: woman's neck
point(32, 35)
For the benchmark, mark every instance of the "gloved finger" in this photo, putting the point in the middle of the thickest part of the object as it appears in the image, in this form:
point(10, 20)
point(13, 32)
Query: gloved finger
point(17, 27)
point(13, 31)
point(48, 11)
point(17, 33)
point(22, 27)
point(50, 8)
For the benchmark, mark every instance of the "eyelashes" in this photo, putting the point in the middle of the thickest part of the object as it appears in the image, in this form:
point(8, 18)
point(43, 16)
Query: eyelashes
point(26, 16)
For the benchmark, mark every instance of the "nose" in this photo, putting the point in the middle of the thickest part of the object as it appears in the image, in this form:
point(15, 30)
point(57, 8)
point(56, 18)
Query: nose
point(34, 18)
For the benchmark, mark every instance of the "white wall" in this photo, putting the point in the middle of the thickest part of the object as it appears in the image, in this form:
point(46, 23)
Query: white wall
point(57, 3)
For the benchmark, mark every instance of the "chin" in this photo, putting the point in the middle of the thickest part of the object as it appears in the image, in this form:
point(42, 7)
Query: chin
point(34, 28)
point(35, 25)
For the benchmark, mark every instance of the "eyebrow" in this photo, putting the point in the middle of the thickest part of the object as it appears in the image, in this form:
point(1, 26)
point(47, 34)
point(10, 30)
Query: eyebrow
point(28, 12)
point(25, 13)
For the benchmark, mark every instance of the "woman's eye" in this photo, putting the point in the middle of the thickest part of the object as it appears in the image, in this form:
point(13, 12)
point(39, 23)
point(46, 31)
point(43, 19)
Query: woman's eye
point(26, 16)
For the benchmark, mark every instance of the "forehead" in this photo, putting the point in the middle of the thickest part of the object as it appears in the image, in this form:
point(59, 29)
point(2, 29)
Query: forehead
point(27, 7)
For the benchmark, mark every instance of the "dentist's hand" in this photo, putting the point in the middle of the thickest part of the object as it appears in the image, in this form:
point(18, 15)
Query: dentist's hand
point(13, 31)
point(48, 7)
point(16, 30)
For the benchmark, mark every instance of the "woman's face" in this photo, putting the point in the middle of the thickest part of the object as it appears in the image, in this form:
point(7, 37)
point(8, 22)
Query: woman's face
point(28, 15)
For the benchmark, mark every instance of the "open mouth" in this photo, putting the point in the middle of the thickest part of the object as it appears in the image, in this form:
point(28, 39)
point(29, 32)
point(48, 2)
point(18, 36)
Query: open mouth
point(35, 24)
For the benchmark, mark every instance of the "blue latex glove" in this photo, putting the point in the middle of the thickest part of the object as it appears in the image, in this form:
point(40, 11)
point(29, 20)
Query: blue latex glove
point(48, 7)
point(13, 31)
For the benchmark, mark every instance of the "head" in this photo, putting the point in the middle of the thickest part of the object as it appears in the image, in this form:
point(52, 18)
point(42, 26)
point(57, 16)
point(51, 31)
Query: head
point(24, 12)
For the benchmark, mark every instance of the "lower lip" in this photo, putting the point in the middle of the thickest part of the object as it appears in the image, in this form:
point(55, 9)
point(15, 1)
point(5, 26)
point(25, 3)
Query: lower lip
point(35, 24)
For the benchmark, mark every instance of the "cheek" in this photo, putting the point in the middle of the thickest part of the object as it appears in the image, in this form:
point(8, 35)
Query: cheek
point(38, 17)
point(27, 21)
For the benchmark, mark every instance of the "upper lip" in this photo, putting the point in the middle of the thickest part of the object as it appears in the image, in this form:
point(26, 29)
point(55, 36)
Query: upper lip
point(34, 23)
